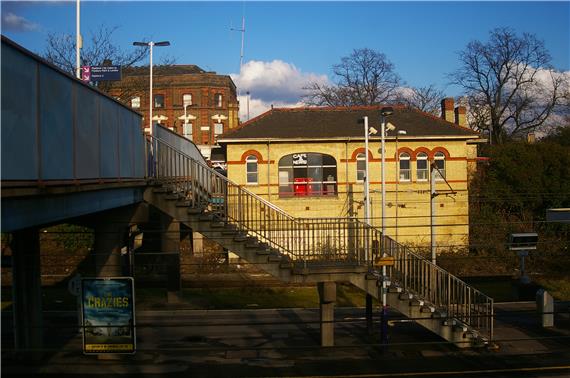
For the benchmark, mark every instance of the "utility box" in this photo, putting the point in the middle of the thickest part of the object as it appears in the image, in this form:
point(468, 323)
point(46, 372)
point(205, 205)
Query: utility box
point(545, 307)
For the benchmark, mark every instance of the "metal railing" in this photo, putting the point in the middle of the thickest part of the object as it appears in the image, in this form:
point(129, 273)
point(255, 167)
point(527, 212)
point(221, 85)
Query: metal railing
point(330, 240)
point(447, 293)
point(318, 240)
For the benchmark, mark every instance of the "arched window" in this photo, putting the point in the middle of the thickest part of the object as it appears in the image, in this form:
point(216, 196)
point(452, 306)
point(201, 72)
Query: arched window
point(307, 174)
point(439, 161)
point(422, 171)
point(360, 167)
point(404, 166)
point(251, 168)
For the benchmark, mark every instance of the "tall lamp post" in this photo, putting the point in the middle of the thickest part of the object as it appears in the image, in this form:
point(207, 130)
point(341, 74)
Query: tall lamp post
point(384, 112)
point(150, 45)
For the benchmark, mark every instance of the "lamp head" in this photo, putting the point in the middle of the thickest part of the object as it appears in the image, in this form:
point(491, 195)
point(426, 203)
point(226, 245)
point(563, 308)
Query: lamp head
point(386, 111)
point(372, 131)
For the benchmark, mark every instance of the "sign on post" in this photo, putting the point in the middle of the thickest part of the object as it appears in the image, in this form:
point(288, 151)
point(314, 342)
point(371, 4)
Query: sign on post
point(101, 73)
point(107, 306)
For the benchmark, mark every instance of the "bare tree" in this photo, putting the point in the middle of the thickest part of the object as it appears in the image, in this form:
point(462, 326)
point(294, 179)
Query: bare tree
point(364, 77)
point(511, 86)
point(427, 99)
point(97, 50)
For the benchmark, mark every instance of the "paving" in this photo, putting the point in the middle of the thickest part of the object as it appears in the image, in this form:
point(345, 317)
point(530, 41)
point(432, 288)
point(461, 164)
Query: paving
point(285, 342)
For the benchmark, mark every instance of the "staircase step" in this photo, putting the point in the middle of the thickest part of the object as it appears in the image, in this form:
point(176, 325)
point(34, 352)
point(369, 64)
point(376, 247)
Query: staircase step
point(173, 197)
point(161, 189)
point(274, 258)
point(196, 210)
point(262, 251)
point(286, 265)
point(240, 237)
point(371, 276)
point(206, 217)
point(184, 203)
point(429, 309)
point(416, 302)
point(229, 231)
point(439, 314)
point(217, 224)
point(395, 289)
point(404, 296)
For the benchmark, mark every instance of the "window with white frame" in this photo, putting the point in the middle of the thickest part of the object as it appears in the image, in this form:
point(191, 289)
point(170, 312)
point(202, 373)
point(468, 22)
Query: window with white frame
point(218, 99)
point(360, 167)
point(251, 169)
point(136, 102)
point(218, 128)
point(187, 131)
point(159, 101)
point(187, 99)
point(422, 170)
point(439, 161)
point(404, 166)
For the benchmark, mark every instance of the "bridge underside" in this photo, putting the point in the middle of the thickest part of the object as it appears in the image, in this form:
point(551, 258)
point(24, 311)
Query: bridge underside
point(56, 204)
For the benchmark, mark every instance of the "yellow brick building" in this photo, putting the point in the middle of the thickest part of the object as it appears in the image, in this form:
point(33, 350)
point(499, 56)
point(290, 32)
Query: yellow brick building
point(310, 162)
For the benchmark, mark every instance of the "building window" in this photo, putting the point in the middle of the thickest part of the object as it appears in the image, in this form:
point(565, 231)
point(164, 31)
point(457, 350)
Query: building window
point(404, 166)
point(307, 174)
point(422, 170)
point(159, 101)
point(187, 131)
point(218, 128)
point(360, 167)
point(439, 161)
point(136, 102)
point(251, 168)
point(218, 98)
point(187, 99)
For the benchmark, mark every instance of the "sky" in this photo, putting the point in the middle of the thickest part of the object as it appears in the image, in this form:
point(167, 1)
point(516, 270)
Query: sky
point(288, 44)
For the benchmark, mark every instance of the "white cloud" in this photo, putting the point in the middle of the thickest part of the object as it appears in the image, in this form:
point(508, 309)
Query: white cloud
point(258, 106)
point(274, 81)
point(13, 22)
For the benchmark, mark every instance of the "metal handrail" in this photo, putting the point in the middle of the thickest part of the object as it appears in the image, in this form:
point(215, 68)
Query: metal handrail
point(318, 240)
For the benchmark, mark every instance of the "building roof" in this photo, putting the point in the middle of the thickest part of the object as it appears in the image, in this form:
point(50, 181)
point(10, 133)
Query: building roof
point(341, 122)
point(179, 69)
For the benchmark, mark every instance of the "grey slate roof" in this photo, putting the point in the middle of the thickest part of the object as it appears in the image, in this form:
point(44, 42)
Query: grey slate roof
point(341, 122)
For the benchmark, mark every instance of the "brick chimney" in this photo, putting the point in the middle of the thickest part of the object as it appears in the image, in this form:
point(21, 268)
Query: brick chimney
point(447, 112)
point(460, 116)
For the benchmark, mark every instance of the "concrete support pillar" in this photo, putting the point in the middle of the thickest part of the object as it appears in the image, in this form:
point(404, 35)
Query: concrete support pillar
point(197, 244)
point(369, 314)
point(170, 246)
point(327, 298)
point(109, 239)
point(27, 291)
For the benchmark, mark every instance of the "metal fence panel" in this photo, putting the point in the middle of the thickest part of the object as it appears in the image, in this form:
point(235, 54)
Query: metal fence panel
point(19, 115)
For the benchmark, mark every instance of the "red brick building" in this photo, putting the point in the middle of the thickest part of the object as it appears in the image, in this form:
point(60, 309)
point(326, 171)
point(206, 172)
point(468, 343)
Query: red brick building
point(194, 103)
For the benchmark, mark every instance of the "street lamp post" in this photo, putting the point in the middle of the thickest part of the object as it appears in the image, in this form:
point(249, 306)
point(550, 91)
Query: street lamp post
point(384, 112)
point(150, 45)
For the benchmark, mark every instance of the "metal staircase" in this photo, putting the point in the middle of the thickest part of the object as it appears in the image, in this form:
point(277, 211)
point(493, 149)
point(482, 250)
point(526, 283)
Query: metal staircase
point(315, 250)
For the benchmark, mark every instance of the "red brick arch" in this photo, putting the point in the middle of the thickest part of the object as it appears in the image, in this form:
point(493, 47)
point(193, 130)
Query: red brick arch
point(360, 151)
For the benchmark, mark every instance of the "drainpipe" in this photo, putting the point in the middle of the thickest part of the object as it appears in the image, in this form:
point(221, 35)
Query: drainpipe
point(268, 171)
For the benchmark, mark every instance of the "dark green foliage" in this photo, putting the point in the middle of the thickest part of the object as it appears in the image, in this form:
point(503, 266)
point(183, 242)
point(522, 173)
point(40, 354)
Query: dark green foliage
point(69, 237)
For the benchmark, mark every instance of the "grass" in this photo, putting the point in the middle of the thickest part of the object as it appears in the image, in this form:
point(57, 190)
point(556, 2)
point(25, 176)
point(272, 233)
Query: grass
point(558, 287)
point(58, 298)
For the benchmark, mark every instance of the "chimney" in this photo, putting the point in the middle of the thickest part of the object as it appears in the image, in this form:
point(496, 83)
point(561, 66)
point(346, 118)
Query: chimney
point(460, 116)
point(447, 112)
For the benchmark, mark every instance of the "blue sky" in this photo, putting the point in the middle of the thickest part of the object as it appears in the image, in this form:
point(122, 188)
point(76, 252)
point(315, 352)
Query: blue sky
point(288, 43)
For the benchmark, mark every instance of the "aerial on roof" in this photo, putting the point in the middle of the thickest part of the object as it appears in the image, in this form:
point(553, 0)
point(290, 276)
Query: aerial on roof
point(342, 122)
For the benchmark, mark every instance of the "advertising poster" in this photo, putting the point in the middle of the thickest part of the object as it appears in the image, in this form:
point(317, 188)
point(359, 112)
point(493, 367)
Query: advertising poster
point(107, 306)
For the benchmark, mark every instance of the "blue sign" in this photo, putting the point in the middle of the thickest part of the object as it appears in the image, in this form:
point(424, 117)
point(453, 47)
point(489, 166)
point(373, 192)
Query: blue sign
point(101, 73)
point(107, 306)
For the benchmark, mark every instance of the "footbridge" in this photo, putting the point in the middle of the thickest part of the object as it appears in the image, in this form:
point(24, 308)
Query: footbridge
point(72, 154)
